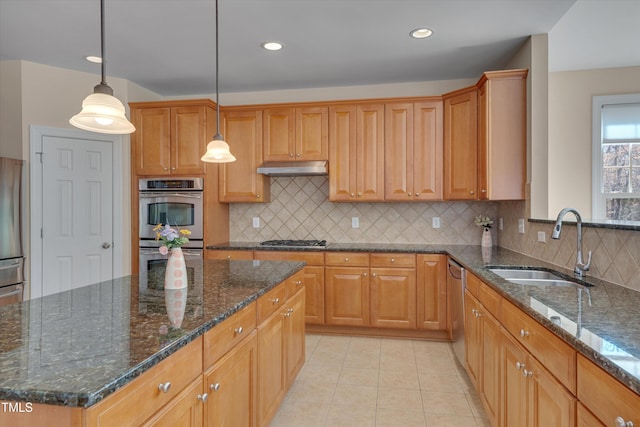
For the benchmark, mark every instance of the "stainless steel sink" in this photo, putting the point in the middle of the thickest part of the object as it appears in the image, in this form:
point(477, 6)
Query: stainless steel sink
point(531, 277)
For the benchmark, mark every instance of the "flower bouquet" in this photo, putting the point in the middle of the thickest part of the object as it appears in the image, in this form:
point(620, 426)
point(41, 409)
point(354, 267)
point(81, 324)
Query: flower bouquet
point(175, 276)
point(170, 237)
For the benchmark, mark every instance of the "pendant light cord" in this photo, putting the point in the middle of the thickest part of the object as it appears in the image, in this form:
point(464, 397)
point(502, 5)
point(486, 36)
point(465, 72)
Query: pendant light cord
point(102, 66)
point(217, 72)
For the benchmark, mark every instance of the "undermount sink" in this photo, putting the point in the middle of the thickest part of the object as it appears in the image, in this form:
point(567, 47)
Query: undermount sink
point(531, 277)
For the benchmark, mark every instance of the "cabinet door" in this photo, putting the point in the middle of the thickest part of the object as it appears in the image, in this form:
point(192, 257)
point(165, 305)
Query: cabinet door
point(232, 384)
point(152, 141)
point(393, 298)
point(398, 152)
point(473, 338)
point(239, 181)
point(272, 381)
point(186, 409)
point(294, 333)
point(279, 136)
point(551, 403)
point(313, 278)
point(460, 146)
point(342, 153)
point(432, 292)
point(312, 133)
point(347, 296)
point(427, 153)
point(189, 139)
point(513, 384)
point(491, 338)
point(370, 152)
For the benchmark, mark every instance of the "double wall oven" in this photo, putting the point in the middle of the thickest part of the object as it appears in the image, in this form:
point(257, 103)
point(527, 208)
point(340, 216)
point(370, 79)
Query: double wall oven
point(179, 203)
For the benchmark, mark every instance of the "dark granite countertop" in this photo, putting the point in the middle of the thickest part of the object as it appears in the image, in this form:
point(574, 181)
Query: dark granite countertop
point(600, 320)
point(76, 347)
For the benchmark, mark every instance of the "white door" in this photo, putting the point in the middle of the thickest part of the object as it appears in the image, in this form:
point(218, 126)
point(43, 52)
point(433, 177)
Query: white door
point(77, 211)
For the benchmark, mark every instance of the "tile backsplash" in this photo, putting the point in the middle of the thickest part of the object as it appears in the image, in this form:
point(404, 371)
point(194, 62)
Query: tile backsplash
point(615, 253)
point(300, 209)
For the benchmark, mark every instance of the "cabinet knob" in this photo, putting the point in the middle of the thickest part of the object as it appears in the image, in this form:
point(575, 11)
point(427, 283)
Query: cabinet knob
point(393, 260)
point(364, 274)
point(166, 169)
point(524, 333)
point(164, 387)
point(527, 373)
point(472, 192)
point(228, 256)
point(519, 365)
point(203, 397)
point(290, 154)
point(238, 330)
point(173, 169)
point(483, 190)
point(298, 155)
point(417, 194)
point(276, 300)
point(299, 282)
point(620, 422)
point(374, 275)
point(346, 259)
point(257, 196)
point(214, 387)
point(409, 194)
point(359, 194)
point(353, 195)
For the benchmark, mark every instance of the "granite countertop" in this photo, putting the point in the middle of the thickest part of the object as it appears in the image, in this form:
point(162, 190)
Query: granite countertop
point(76, 347)
point(600, 320)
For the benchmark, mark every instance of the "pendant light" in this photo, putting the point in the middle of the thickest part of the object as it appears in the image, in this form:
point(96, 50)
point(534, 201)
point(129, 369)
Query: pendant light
point(217, 149)
point(101, 111)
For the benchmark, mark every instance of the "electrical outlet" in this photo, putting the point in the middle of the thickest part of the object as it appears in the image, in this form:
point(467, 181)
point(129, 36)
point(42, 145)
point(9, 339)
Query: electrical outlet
point(521, 226)
point(435, 222)
point(355, 222)
point(256, 222)
point(500, 224)
point(542, 236)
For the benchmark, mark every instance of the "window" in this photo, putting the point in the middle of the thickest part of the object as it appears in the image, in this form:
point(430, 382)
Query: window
point(616, 157)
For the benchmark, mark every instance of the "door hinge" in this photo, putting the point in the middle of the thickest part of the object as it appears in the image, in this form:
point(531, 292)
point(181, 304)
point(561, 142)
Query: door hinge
point(40, 154)
point(41, 233)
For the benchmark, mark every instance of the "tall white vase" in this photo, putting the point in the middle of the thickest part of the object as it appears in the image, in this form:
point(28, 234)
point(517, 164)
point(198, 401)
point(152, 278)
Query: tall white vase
point(175, 276)
point(486, 238)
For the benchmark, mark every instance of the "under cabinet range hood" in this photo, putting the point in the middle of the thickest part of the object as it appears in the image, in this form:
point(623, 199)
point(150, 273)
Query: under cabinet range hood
point(318, 167)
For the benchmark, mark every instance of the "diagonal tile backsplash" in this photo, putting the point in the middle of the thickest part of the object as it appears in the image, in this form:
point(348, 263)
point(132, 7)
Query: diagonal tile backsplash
point(300, 209)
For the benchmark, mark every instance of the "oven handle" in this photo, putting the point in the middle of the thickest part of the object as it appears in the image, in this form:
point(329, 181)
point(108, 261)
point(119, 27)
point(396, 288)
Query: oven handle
point(186, 252)
point(155, 195)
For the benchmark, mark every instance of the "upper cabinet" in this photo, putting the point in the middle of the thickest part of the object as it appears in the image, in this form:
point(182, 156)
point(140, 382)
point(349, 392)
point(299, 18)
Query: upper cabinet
point(502, 135)
point(239, 181)
point(356, 153)
point(413, 151)
point(292, 134)
point(485, 139)
point(170, 137)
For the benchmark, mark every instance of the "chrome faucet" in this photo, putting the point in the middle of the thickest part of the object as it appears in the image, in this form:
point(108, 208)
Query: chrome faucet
point(581, 267)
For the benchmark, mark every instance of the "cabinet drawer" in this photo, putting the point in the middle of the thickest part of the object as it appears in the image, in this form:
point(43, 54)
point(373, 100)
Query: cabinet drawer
point(603, 395)
point(295, 283)
point(311, 258)
point(354, 259)
point(222, 337)
point(393, 260)
point(490, 299)
point(142, 397)
point(473, 284)
point(229, 254)
point(271, 301)
point(557, 356)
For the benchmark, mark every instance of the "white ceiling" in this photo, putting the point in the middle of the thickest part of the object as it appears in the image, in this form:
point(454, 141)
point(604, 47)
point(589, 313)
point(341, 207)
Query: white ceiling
point(167, 46)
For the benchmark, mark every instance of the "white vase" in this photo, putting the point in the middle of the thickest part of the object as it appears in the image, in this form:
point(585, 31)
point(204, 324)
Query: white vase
point(176, 302)
point(486, 238)
point(175, 276)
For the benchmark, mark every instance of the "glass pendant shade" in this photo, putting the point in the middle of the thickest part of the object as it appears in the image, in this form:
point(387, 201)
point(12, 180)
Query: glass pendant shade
point(102, 112)
point(218, 151)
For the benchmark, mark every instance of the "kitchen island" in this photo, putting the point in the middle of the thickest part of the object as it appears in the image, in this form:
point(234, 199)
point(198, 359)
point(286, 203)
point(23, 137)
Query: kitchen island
point(76, 348)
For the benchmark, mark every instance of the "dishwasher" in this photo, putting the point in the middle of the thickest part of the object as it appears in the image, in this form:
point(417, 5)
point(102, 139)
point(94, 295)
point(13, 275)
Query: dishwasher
point(456, 283)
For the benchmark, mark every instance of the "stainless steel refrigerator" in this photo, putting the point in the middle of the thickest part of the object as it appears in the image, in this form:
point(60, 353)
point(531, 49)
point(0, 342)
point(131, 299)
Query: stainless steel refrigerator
point(11, 255)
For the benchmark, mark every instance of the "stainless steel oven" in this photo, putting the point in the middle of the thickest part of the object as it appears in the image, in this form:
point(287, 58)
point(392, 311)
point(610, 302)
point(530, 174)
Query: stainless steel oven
point(176, 201)
point(153, 265)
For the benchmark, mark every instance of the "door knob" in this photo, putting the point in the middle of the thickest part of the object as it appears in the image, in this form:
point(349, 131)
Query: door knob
point(106, 245)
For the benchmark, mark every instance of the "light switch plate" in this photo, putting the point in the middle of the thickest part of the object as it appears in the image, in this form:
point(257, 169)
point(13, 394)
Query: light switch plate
point(500, 224)
point(542, 236)
point(355, 222)
point(256, 222)
point(521, 226)
point(435, 222)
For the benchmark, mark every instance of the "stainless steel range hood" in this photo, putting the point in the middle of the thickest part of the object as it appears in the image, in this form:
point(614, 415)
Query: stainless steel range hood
point(318, 167)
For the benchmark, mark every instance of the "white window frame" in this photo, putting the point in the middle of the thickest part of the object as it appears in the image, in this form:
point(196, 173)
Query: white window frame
point(598, 201)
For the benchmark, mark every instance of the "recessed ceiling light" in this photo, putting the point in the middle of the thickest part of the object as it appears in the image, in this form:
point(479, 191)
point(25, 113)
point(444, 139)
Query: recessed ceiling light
point(94, 59)
point(272, 45)
point(421, 33)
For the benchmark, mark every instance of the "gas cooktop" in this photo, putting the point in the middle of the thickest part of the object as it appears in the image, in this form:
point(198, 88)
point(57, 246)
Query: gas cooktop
point(295, 243)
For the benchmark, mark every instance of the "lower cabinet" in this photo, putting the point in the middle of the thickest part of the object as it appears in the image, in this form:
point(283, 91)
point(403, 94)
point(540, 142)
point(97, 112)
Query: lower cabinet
point(186, 409)
point(231, 384)
point(431, 291)
point(347, 296)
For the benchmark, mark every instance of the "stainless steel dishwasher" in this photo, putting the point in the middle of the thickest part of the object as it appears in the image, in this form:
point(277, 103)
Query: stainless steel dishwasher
point(456, 283)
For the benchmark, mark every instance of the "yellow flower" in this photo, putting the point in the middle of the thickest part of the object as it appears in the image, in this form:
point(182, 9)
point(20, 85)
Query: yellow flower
point(185, 232)
point(158, 227)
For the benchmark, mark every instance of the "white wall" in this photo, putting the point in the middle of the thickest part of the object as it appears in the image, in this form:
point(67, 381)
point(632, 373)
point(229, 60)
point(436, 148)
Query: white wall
point(10, 109)
point(570, 130)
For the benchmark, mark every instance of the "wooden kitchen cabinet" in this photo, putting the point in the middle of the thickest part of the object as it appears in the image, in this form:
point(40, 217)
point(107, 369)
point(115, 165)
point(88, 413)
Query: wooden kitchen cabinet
point(413, 150)
point(231, 384)
point(347, 288)
point(502, 138)
point(229, 254)
point(186, 409)
point(431, 276)
point(294, 336)
point(292, 134)
point(356, 153)
point(461, 145)
point(393, 291)
point(239, 180)
point(170, 137)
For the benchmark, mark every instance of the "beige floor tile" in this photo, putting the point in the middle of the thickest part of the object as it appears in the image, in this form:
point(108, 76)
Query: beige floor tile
point(365, 344)
point(400, 398)
point(398, 361)
point(446, 403)
point(355, 395)
point(399, 379)
point(358, 376)
point(319, 373)
point(362, 360)
point(443, 420)
point(473, 399)
point(327, 358)
point(446, 383)
point(386, 417)
point(313, 391)
point(333, 343)
point(350, 416)
point(300, 413)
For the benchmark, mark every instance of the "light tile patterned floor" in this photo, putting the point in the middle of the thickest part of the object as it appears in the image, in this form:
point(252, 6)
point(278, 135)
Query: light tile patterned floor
point(357, 381)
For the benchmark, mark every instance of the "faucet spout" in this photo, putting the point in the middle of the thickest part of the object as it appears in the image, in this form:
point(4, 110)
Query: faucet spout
point(581, 267)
